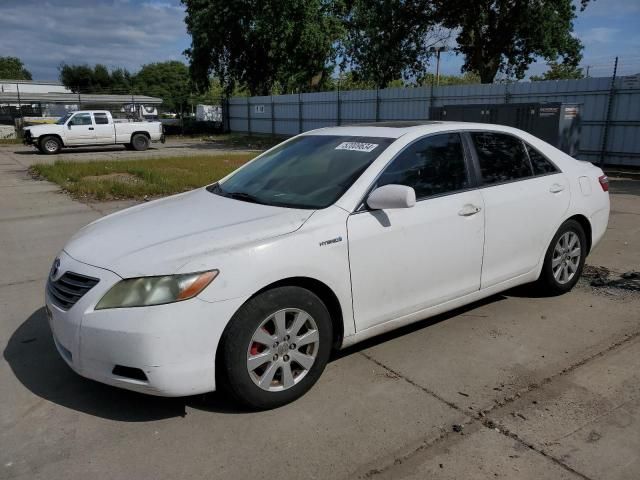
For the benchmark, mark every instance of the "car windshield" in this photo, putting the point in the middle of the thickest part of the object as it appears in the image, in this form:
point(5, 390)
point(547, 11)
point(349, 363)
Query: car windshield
point(62, 120)
point(310, 172)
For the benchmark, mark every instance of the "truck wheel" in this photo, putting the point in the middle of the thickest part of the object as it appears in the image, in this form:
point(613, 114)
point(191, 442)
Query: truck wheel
point(128, 146)
point(140, 142)
point(50, 145)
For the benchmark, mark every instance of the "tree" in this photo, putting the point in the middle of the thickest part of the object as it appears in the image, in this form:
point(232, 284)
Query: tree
point(12, 68)
point(560, 71)
point(77, 78)
point(389, 39)
point(167, 80)
point(508, 35)
point(262, 43)
point(468, 78)
point(83, 78)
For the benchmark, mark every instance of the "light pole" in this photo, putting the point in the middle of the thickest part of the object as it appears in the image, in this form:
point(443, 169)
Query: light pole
point(438, 51)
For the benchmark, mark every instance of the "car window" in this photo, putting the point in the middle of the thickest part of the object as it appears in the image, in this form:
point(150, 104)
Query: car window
point(431, 166)
point(541, 165)
point(310, 171)
point(81, 119)
point(502, 157)
point(101, 118)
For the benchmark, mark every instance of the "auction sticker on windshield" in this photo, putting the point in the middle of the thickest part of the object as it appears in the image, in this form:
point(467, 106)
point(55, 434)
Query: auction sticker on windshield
point(357, 146)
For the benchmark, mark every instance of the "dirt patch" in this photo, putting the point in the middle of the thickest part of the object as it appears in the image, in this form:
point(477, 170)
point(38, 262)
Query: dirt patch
point(126, 178)
point(601, 277)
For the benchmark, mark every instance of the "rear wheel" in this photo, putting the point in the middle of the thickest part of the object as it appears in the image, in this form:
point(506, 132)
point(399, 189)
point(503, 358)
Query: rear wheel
point(140, 142)
point(564, 259)
point(50, 145)
point(275, 347)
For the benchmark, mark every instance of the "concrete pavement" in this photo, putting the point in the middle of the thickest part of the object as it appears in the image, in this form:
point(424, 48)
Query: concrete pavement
point(513, 387)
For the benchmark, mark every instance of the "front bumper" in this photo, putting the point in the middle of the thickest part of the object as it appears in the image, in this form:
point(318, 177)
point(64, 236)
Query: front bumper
point(174, 345)
point(27, 139)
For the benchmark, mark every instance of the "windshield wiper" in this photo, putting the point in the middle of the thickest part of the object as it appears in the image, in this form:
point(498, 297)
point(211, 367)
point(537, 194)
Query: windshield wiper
point(247, 197)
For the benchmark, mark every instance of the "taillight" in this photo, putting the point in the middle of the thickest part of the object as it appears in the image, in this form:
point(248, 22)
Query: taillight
point(604, 182)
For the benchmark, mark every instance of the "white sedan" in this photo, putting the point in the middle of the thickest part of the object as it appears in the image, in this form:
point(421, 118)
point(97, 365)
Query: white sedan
point(327, 239)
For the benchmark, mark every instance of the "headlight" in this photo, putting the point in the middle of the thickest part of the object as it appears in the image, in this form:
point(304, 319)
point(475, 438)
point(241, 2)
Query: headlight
point(145, 291)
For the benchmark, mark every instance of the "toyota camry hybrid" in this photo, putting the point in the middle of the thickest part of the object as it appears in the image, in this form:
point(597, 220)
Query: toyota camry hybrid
point(334, 236)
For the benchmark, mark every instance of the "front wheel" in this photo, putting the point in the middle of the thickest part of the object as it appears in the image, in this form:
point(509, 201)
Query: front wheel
point(50, 145)
point(275, 347)
point(564, 260)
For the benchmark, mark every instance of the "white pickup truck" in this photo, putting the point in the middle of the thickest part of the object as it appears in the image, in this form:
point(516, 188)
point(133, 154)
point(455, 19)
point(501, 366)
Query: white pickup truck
point(95, 127)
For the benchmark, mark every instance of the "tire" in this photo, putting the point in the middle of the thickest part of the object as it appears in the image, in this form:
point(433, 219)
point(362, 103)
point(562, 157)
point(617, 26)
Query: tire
point(50, 145)
point(256, 374)
point(562, 267)
point(139, 142)
point(128, 146)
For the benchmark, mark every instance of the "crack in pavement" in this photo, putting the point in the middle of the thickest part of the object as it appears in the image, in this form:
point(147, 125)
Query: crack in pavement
point(481, 415)
point(22, 282)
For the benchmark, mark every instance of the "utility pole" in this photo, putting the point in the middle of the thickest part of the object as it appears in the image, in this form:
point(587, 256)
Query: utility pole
point(438, 51)
point(19, 102)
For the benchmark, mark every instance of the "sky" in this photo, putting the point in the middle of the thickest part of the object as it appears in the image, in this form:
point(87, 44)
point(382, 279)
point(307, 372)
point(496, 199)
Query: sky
point(130, 33)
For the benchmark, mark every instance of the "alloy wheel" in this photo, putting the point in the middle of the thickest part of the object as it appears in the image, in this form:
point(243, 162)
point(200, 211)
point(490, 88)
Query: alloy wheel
point(566, 257)
point(283, 349)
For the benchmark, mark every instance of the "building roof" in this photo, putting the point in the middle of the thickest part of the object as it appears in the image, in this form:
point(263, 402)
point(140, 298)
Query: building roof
point(31, 82)
point(74, 98)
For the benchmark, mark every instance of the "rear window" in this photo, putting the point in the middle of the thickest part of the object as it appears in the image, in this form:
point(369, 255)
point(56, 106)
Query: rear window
point(502, 157)
point(101, 118)
point(541, 165)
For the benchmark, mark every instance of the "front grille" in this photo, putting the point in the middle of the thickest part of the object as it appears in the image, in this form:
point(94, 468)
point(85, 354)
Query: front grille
point(69, 288)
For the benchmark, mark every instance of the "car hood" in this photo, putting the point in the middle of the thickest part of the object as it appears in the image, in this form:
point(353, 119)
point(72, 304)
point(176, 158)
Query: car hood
point(160, 237)
point(37, 130)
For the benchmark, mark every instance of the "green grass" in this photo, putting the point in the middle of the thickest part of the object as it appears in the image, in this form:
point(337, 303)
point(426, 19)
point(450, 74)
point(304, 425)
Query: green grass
point(137, 179)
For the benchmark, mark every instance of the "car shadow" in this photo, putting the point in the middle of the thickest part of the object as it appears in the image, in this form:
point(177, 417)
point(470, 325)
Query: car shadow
point(34, 360)
point(419, 325)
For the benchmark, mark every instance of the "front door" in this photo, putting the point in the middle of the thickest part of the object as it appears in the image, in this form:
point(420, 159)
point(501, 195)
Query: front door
point(406, 260)
point(80, 130)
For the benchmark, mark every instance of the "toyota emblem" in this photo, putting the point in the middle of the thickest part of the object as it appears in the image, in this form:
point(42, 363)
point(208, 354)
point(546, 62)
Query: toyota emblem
point(54, 268)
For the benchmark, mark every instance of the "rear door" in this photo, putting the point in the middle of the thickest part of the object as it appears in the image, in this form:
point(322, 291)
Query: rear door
point(404, 260)
point(523, 204)
point(103, 128)
point(80, 130)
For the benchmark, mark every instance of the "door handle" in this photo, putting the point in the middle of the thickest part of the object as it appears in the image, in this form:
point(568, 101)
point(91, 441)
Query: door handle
point(90, 128)
point(469, 210)
point(556, 188)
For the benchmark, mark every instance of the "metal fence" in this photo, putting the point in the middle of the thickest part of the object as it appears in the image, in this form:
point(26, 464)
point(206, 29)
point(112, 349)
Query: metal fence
point(610, 110)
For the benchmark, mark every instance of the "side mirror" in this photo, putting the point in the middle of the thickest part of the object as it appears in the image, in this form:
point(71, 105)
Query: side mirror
point(392, 196)
point(69, 125)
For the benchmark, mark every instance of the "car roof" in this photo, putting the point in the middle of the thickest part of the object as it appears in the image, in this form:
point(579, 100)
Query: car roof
point(399, 128)
point(90, 111)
